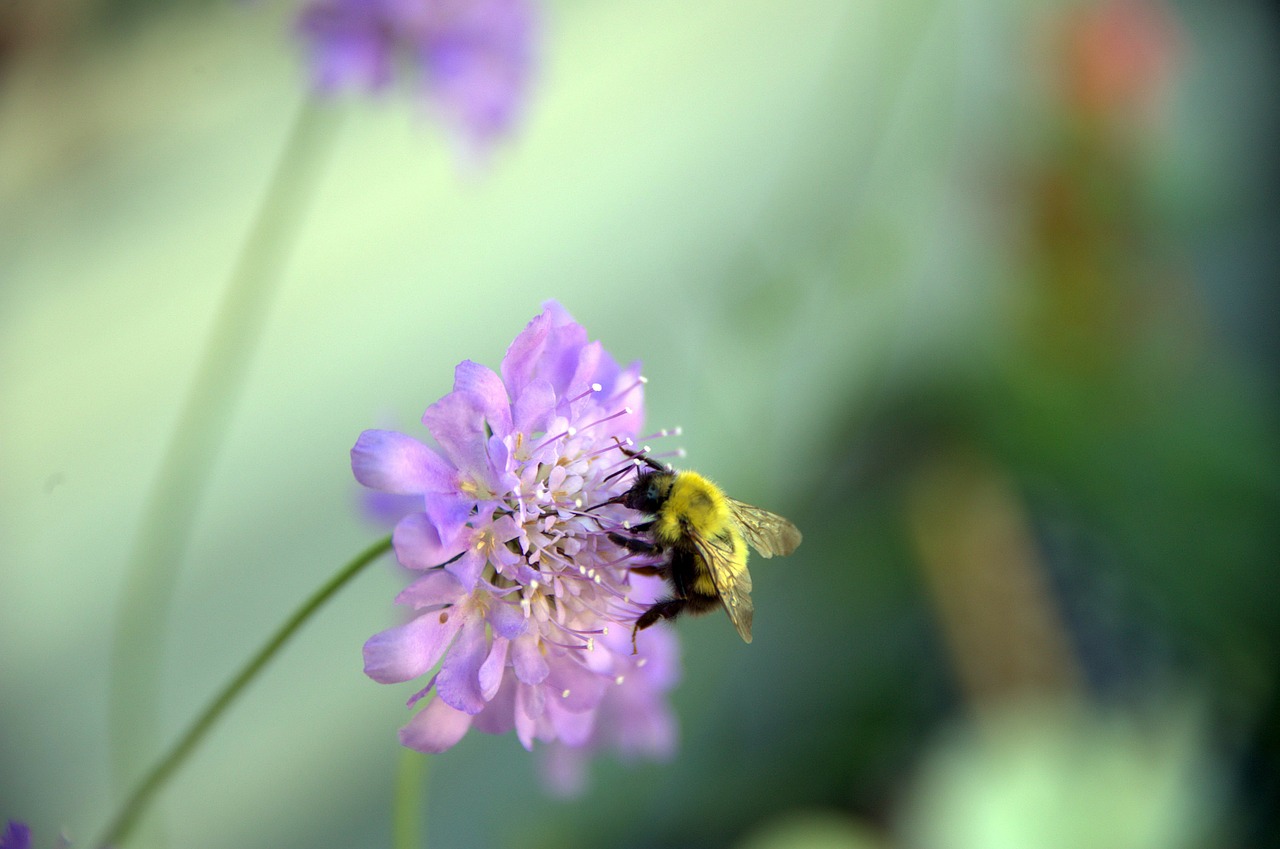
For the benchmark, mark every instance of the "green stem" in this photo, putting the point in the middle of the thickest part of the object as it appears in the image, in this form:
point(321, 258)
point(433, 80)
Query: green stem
point(406, 814)
point(153, 781)
point(169, 511)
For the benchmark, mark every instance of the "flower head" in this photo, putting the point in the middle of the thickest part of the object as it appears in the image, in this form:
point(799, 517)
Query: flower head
point(523, 601)
point(472, 58)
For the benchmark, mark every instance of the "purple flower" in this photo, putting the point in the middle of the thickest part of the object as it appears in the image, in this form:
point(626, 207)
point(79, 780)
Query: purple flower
point(17, 835)
point(473, 58)
point(523, 602)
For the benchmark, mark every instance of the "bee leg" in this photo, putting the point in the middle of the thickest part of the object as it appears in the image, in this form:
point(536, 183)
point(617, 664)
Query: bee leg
point(639, 546)
point(659, 569)
point(666, 609)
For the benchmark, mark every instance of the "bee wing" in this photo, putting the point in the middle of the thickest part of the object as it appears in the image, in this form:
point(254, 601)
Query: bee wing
point(767, 532)
point(727, 563)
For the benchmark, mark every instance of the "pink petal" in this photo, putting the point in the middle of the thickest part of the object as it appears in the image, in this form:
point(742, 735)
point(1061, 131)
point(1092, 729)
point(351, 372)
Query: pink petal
point(392, 462)
point(528, 660)
point(419, 546)
point(534, 407)
point(489, 391)
point(409, 650)
point(491, 671)
point(435, 587)
point(458, 683)
point(573, 728)
point(436, 728)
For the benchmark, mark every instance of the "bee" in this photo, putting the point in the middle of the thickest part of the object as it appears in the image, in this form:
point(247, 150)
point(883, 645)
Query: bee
point(700, 536)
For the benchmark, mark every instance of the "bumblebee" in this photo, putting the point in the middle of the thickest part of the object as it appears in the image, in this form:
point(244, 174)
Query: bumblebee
point(700, 536)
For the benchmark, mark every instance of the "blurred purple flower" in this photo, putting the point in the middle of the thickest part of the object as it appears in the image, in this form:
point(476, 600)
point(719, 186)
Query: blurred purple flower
point(472, 58)
point(523, 601)
point(17, 835)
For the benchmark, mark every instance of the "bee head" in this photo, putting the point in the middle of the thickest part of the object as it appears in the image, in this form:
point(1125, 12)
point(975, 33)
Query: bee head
point(649, 492)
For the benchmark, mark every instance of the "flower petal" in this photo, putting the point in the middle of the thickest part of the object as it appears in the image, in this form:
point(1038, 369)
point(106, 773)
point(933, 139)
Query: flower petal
point(460, 423)
point(491, 671)
point(489, 391)
point(418, 544)
point(458, 683)
point(435, 587)
point(498, 716)
point(534, 407)
point(436, 728)
point(449, 513)
point(573, 728)
point(564, 769)
point(417, 697)
point(409, 650)
point(521, 361)
point(468, 567)
point(507, 620)
point(529, 707)
point(575, 687)
point(396, 463)
point(528, 660)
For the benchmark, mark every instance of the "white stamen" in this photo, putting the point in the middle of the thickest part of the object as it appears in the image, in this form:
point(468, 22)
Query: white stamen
point(643, 379)
point(618, 680)
point(605, 630)
point(565, 694)
point(533, 585)
point(591, 643)
point(641, 662)
point(595, 387)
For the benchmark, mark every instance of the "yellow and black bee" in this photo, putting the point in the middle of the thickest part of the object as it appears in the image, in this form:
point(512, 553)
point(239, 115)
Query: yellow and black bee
point(701, 536)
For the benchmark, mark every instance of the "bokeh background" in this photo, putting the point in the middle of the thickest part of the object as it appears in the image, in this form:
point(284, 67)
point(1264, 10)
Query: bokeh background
point(980, 293)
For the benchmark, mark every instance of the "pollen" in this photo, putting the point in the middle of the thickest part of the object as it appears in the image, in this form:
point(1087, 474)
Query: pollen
point(565, 694)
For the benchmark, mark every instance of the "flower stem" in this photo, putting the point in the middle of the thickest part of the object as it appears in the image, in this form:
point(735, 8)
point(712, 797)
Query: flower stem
point(155, 779)
point(169, 511)
point(406, 814)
